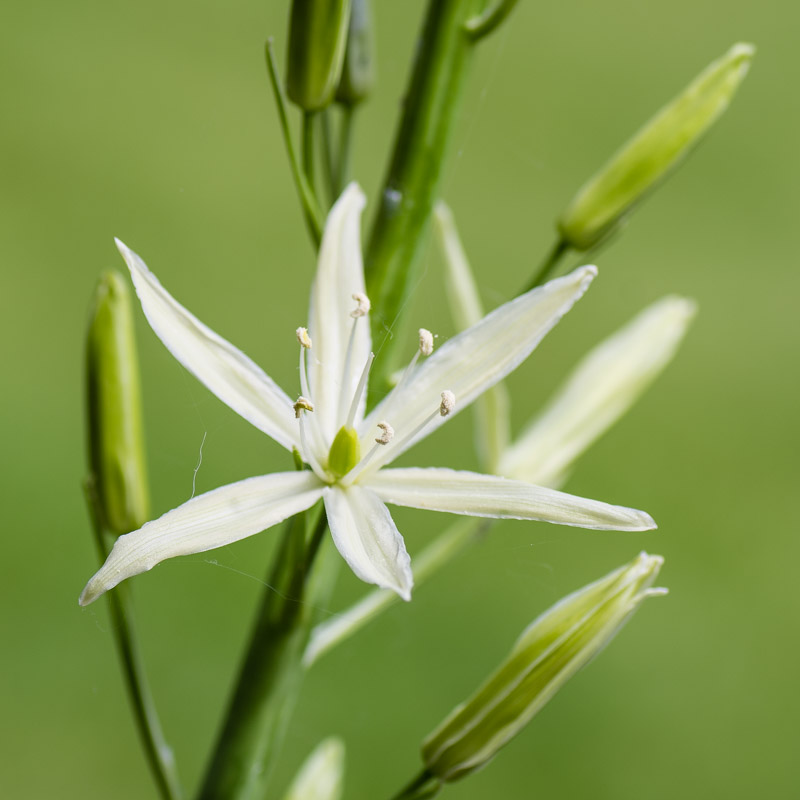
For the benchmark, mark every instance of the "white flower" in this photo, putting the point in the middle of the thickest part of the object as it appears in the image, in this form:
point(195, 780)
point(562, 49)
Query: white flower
point(348, 452)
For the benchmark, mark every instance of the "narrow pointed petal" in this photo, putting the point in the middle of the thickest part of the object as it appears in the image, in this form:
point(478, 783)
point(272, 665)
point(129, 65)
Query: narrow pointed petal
point(340, 275)
point(211, 520)
point(365, 534)
point(600, 390)
point(225, 370)
point(489, 496)
point(473, 361)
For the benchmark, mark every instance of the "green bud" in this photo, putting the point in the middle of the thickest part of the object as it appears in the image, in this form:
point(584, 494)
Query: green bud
point(116, 450)
point(598, 208)
point(358, 76)
point(321, 776)
point(345, 452)
point(549, 652)
point(317, 39)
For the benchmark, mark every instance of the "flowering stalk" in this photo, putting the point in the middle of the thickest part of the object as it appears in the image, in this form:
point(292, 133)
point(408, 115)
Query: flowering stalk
point(444, 53)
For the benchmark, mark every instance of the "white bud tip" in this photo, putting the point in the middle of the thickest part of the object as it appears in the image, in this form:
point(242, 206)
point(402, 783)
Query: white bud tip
point(425, 342)
point(448, 403)
point(387, 435)
point(303, 337)
point(363, 307)
point(302, 404)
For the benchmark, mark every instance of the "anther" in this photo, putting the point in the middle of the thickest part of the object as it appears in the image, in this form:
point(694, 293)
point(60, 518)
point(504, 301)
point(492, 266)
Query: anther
point(448, 403)
point(387, 435)
point(302, 404)
point(303, 338)
point(425, 342)
point(363, 307)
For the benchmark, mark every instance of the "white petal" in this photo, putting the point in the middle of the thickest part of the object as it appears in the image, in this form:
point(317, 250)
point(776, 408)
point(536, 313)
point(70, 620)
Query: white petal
point(340, 275)
point(473, 361)
point(224, 369)
point(599, 391)
point(211, 520)
point(490, 496)
point(365, 534)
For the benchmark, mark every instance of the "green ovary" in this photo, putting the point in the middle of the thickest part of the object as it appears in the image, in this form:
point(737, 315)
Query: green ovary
point(345, 452)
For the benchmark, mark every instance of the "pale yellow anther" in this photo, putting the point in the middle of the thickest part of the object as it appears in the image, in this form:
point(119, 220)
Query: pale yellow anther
point(387, 435)
point(303, 337)
point(425, 342)
point(302, 404)
point(448, 403)
point(363, 307)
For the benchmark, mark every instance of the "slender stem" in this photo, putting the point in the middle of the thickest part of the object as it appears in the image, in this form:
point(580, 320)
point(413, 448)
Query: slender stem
point(483, 24)
point(548, 265)
point(342, 174)
point(426, 784)
point(308, 199)
point(158, 753)
point(271, 674)
point(328, 153)
point(411, 186)
point(309, 118)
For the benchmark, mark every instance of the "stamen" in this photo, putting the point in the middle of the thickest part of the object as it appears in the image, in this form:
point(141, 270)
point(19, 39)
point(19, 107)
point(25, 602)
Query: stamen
point(362, 385)
point(302, 404)
point(448, 403)
point(303, 338)
point(425, 342)
point(387, 435)
point(363, 307)
point(308, 456)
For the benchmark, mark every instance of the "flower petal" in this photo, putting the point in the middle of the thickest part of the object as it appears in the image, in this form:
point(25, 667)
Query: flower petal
point(225, 370)
point(600, 390)
point(473, 361)
point(365, 534)
point(340, 275)
point(211, 520)
point(489, 496)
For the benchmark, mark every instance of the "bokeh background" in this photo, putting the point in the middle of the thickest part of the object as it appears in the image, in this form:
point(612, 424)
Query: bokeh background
point(153, 122)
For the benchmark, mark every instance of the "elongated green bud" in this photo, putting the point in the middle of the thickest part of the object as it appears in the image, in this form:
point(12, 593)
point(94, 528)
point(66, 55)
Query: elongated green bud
point(358, 72)
point(321, 776)
point(116, 449)
point(317, 39)
point(599, 206)
point(549, 652)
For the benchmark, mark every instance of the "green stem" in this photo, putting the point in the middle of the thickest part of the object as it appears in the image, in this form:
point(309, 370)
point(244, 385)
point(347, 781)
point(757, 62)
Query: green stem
point(271, 673)
point(329, 157)
point(158, 753)
point(411, 185)
point(425, 785)
point(305, 192)
point(548, 265)
point(483, 24)
point(309, 117)
point(342, 174)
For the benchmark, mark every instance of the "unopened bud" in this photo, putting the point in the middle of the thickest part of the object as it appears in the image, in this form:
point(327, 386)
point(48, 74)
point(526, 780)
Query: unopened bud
point(549, 652)
point(116, 447)
point(600, 205)
point(358, 75)
point(317, 39)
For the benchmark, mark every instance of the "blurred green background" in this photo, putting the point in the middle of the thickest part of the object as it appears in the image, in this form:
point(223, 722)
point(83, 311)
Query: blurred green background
point(154, 122)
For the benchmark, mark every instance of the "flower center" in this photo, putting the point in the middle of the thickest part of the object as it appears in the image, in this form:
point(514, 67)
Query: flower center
point(345, 452)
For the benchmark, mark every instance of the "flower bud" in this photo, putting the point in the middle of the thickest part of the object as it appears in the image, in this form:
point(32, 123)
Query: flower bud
point(605, 384)
point(317, 39)
point(116, 450)
point(358, 75)
point(598, 208)
point(321, 776)
point(549, 652)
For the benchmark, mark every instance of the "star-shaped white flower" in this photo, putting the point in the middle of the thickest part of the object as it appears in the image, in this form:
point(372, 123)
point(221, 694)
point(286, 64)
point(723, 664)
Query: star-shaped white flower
point(348, 452)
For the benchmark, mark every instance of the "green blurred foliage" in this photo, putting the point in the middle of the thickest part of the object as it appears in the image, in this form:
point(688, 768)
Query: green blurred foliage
point(153, 122)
